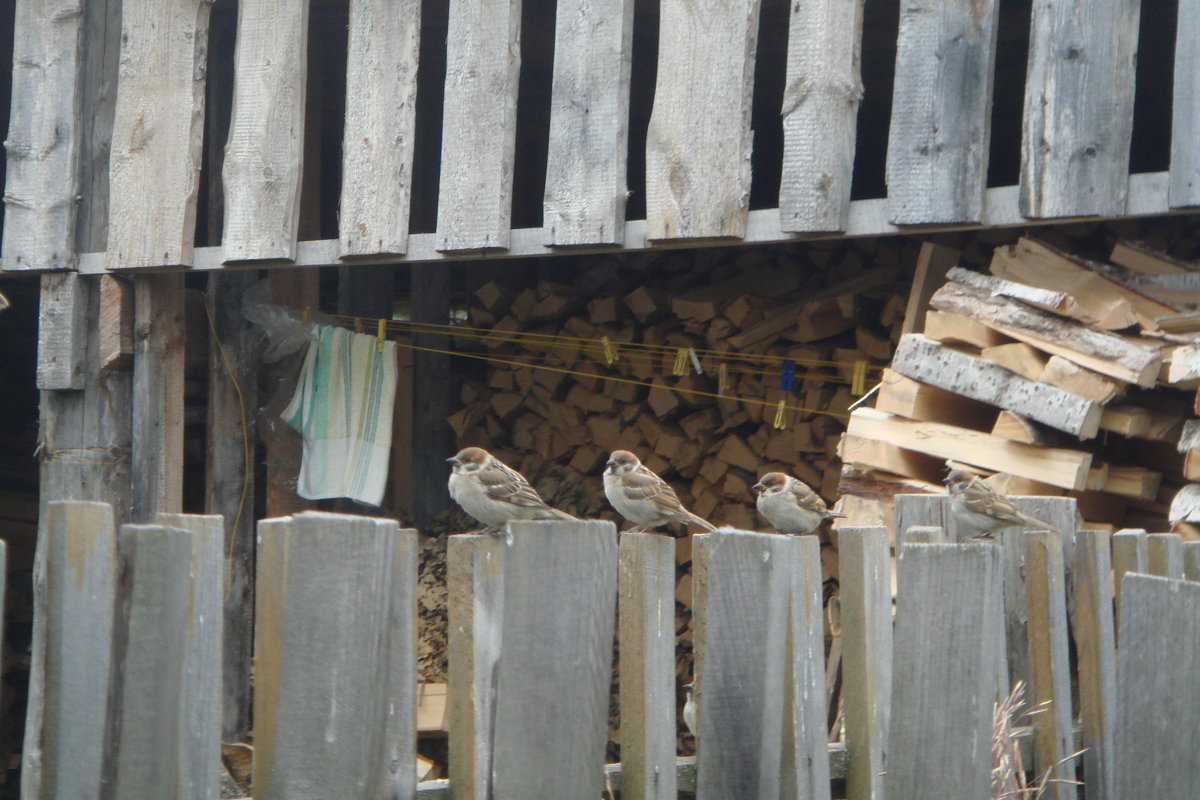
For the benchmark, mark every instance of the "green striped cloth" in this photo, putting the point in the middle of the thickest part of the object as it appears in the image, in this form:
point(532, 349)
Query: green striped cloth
point(343, 410)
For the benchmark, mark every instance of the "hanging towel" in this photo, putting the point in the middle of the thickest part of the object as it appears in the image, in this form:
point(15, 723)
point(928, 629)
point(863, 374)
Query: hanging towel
point(343, 410)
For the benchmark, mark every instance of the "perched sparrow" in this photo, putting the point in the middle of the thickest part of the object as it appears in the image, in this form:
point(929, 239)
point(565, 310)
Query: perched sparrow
point(495, 493)
point(689, 709)
point(789, 504)
point(642, 497)
point(979, 511)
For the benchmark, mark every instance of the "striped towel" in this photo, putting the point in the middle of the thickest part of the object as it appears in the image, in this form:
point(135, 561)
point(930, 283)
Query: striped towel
point(343, 410)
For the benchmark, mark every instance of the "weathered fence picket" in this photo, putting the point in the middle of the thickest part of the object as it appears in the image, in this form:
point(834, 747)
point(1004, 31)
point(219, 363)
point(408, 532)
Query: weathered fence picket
point(1164, 555)
point(1095, 643)
point(1191, 561)
point(923, 510)
point(1128, 555)
point(925, 534)
point(805, 767)
point(1185, 109)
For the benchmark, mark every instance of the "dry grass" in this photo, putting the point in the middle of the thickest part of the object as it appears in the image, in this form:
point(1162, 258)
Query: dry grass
point(1008, 771)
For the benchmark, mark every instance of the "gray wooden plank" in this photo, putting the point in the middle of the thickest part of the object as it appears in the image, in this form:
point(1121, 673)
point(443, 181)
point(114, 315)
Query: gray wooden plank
point(1049, 659)
point(741, 586)
point(1164, 555)
point(200, 695)
point(941, 111)
point(805, 769)
point(152, 619)
point(62, 332)
point(379, 134)
point(589, 123)
point(475, 605)
point(646, 644)
point(1095, 642)
point(557, 631)
point(699, 140)
point(866, 595)
point(1128, 555)
point(1158, 698)
point(74, 598)
point(1185, 109)
point(925, 534)
point(921, 510)
point(1191, 561)
point(335, 675)
point(42, 179)
point(1078, 118)
point(946, 656)
point(820, 114)
point(158, 132)
point(479, 124)
point(264, 152)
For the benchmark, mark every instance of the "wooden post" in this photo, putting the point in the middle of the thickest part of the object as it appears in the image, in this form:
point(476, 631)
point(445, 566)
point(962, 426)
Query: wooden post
point(920, 510)
point(1191, 561)
point(153, 616)
point(335, 664)
point(1049, 664)
point(63, 328)
point(1185, 109)
point(646, 612)
point(741, 588)
point(1095, 641)
point(1128, 555)
point(1158, 699)
point(947, 652)
point(866, 594)
point(805, 768)
point(433, 441)
point(1164, 555)
point(925, 534)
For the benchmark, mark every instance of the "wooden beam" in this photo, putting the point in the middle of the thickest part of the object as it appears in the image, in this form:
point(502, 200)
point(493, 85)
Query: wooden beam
point(699, 140)
point(115, 326)
point(890, 458)
point(933, 262)
point(1185, 109)
point(820, 114)
point(432, 439)
point(942, 326)
point(62, 331)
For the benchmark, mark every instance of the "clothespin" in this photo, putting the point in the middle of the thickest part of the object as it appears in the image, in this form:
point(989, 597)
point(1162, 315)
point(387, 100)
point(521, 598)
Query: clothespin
point(787, 377)
point(379, 332)
point(304, 315)
point(358, 326)
point(779, 409)
point(695, 361)
point(610, 350)
point(681, 359)
point(722, 379)
point(858, 381)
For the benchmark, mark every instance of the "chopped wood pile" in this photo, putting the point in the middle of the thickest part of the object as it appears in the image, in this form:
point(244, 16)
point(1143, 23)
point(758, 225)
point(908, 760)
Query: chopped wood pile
point(1056, 374)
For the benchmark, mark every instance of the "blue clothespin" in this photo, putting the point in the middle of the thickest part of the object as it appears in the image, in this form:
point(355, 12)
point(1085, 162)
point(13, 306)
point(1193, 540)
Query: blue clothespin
point(787, 378)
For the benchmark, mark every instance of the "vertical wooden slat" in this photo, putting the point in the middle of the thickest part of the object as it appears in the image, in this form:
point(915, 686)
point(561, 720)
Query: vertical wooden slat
point(820, 114)
point(264, 153)
point(646, 643)
point(866, 595)
point(114, 328)
point(741, 583)
point(1128, 555)
point(43, 136)
point(920, 510)
point(1184, 189)
point(62, 332)
point(377, 146)
point(925, 534)
point(805, 768)
point(1078, 118)
point(589, 123)
point(933, 262)
point(479, 124)
point(432, 438)
point(1191, 561)
point(158, 364)
point(158, 132)
point(475, 605)
point(1095, 640)
point(1164, 555)
point(152, 620)
point(699, 140)
point(947, 651)
point(559, 603)
point(941, 112)
point(1049, 660)
point(1158, 697)
point(75, 582)
point(200, 697)
point(335, 668)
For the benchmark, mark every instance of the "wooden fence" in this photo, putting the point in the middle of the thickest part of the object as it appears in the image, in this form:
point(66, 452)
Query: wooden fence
point(125, 693)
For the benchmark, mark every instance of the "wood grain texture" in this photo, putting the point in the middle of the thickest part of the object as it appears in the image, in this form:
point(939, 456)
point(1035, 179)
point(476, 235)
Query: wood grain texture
point(44, 130)
point(380, 124)
point(62, 332)
point(1096, 646)
point(557, 632)
point(866, 593)
point(335, 677)
point(1185, 109)
point(921, 510)
point(589, 123)
point(820, 114)
point(1164, 555)
point(1191, 561)
point(153, 616)
point(805, 767)
point(479, 124)
point(947, 652)
point(1128, 555)
point(158, 132)
point(646, 643)
point(1157, 694)
point(742, 584)
point(699, 140)
point(1078, 118)
point(941, 111)
point(264, 153)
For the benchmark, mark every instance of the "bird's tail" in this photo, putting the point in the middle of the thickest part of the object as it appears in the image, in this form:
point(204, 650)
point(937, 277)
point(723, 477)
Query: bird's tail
point(559, 514)
point(699, 522)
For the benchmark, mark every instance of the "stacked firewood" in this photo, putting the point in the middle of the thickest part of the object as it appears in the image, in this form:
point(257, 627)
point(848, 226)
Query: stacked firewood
point(1058, 374)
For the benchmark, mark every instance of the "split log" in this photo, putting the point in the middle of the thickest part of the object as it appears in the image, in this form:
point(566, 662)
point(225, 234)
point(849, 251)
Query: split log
point(1018, 357)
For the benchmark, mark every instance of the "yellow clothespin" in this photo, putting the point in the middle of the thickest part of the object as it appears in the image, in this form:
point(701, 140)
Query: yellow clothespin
point(858, 381)
point(681, 360)
point(610, 350)
point(779, 409)
point(358, 326)
point(722, 379)
point(380, 331)
point(304, 315)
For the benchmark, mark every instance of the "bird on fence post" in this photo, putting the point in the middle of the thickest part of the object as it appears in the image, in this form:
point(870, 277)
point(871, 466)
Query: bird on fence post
point(790, 504)
point(689, 709)
point(982, 512)
point(642, 497)
point(495, 493)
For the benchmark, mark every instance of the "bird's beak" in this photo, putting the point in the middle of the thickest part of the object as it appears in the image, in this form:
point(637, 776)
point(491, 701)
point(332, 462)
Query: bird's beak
point(610, 463)
point(452, 460)
point(689, 686)
point(758, 487)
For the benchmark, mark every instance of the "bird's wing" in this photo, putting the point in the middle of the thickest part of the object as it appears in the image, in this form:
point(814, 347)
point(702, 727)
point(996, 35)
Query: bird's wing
point(807, 499)
point(981, 499)
point(503, 483)
point(642, 484)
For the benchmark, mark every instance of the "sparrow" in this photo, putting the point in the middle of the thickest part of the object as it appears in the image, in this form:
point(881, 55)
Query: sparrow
point(495, 493)
point(790, 504)
point(642, 497)
point(982, 512)
point(689, 709)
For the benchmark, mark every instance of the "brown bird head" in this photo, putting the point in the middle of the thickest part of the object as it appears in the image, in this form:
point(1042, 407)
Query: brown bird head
point(771, 483)
point(958, 480)
point(470, 459)
point(622, 462)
